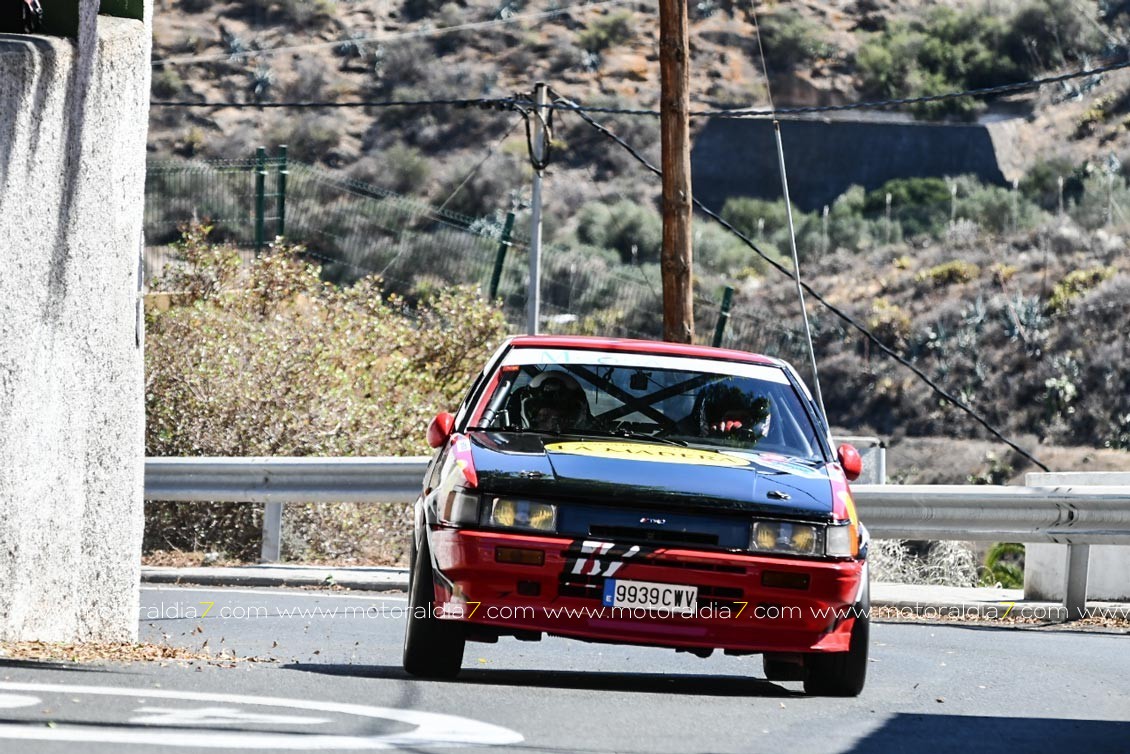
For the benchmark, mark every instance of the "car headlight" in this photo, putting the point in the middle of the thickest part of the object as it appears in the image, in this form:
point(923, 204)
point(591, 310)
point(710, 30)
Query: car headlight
point(460, 508)
point(842, 541)
point(787, 537)
point(522, 514)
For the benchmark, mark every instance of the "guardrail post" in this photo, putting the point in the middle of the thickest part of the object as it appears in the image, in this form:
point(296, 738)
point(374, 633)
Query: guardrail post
point(1075, 582)
point(271, 550)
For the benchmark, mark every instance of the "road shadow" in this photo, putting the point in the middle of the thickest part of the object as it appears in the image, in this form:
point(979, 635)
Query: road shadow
point(960, 734)
point(648, 683)
point(1050, 627)
point(47, 665)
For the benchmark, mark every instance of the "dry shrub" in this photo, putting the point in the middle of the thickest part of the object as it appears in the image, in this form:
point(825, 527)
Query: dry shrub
point(266, 359)
point(938, 564)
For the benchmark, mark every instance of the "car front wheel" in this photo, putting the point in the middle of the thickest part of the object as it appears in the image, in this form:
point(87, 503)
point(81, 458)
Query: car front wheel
point(433, 648)
point(842, 673)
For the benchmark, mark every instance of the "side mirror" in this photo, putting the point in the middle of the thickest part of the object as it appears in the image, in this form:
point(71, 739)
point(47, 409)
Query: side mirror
point(850, 461)
point(440, 429)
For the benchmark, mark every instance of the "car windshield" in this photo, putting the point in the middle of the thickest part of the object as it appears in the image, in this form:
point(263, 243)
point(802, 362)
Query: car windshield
point(700, 402)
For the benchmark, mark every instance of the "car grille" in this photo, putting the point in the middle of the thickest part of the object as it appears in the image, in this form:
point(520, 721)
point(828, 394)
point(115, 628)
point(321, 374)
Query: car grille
point(638, 534)
point(620, 554)
point(654, 526)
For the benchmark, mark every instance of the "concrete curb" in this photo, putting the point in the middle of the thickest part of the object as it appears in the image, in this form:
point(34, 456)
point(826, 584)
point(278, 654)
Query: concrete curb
point(943, 602)
point(366, 579)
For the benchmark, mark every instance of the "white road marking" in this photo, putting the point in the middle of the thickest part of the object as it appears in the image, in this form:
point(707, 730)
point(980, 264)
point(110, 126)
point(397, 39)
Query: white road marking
point(266, 592)
point(216, 716)
point(431, 728)
point(12, 701)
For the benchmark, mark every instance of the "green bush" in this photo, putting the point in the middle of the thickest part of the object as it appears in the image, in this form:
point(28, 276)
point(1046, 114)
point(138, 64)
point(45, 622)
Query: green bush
point(491, 186)
point(305, 13)
point(1102, 195)
point(1004, 566)
point(609, 31)
point(949, 50)
point(583, 146)
point(950, 273)
point(167, 83)
point(848, 228)
point(308, 137)
point(633, 230)
point(414, 10)
point(718, 250)
point(1041, 183)
point(995, 208)
point(1045, 34)
point(791, 40)
point(1074, 285)
point(766, 223)
point(406, 170)
point(921, 205)
point(263, 358)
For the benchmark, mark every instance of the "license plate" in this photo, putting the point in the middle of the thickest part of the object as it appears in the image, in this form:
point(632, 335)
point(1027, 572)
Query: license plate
point(649, 595)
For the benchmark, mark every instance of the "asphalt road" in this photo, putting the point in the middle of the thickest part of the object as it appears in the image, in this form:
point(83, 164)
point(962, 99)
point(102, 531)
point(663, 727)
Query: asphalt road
point(337, 685)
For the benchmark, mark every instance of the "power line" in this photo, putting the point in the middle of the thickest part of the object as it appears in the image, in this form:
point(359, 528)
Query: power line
point(750, 112)
point(516, 103)
point(487, 103)
point(473, 26)
point(471, 173)
point(831, 307)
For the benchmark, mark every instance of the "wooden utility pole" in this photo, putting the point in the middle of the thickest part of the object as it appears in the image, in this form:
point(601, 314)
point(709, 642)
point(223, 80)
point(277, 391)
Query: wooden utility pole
point(674, 126)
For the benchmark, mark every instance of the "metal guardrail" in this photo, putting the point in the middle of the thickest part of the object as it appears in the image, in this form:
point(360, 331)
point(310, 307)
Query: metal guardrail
point(1076, 516)
point(279, 479)
point(982, 513)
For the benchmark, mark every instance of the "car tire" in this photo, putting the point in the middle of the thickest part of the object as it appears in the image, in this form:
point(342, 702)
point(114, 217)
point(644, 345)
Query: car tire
point(843, 673)
point(433, 648)
point(779, 667)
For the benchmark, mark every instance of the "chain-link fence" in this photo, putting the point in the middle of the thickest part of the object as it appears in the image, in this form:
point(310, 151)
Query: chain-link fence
point(354, 229)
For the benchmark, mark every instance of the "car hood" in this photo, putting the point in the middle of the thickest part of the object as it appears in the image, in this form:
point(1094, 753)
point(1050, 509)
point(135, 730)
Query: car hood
point(617, 471)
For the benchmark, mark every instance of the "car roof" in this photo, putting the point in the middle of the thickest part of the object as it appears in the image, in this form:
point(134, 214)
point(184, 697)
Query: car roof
point(629, 345)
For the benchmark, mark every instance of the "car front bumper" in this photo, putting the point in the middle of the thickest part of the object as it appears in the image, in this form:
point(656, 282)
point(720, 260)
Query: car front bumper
point(736, 609)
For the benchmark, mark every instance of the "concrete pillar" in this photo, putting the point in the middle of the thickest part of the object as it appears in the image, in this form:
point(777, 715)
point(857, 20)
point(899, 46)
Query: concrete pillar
point(73, 123)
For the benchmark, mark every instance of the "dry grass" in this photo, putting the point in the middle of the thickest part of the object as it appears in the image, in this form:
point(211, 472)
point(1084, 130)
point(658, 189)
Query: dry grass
point(942, 563)
point(103, 652)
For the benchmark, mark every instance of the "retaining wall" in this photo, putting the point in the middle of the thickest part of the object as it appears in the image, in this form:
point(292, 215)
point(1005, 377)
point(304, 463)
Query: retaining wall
point(73, 122)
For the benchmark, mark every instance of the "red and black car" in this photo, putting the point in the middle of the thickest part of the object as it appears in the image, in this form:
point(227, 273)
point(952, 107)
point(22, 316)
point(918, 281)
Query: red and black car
point(642, 493)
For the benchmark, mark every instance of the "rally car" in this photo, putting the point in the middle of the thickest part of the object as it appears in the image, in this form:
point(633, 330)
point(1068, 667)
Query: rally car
point(644, 493)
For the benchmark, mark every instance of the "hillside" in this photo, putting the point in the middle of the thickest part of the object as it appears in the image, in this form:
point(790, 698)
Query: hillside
point(1015, 307)
point(602, 53)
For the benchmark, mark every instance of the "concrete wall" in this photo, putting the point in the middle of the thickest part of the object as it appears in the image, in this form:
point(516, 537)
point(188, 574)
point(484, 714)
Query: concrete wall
point(823, 158)
point(73, 121)
point(1045, 565)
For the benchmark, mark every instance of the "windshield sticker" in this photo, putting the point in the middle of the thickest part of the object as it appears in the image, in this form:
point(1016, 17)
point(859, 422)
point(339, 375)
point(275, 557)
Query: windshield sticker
point(641, 452)
point(563, 357)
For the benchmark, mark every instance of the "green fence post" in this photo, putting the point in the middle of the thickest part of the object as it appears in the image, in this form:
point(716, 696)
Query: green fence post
point(283, 173)
point(723, 316)
point(260, 196)
point(500, 257)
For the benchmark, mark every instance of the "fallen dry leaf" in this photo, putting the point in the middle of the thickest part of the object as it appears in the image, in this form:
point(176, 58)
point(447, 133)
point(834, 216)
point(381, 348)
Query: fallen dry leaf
point(98, 652)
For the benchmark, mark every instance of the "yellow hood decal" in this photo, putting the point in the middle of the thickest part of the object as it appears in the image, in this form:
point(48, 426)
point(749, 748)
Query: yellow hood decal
point(645, 452)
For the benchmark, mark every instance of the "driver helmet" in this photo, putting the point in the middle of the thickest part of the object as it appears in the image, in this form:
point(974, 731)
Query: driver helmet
point(554, 401)
point(726, 401)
